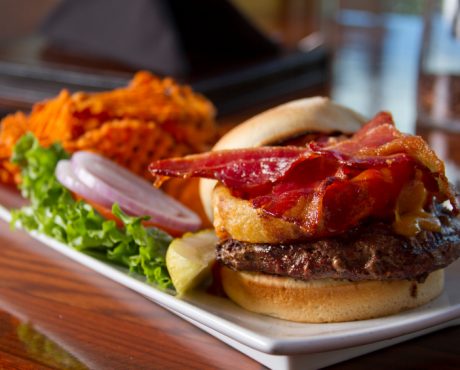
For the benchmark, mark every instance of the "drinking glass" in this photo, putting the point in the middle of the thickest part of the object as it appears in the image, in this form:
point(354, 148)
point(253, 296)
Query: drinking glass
point(438, 103)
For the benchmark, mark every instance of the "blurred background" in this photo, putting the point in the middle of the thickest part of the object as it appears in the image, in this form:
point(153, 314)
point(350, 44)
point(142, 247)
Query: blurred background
point(400, 56)
point(366, 52)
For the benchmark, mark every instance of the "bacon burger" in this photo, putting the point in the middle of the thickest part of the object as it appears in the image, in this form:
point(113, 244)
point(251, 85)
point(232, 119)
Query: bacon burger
point(322, 225)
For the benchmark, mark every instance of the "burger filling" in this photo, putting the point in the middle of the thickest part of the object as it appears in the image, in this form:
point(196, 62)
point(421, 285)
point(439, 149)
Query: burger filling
point(368, 252)
point(364, 205)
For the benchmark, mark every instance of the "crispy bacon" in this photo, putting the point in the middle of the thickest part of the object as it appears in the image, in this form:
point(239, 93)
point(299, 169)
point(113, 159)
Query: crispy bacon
point(381, 138)
point(324, 188)
point(379, 131)
point(249, 169)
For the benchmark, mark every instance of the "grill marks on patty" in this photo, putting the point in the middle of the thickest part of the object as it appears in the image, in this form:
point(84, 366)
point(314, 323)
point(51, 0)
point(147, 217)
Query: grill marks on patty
point(369, 252)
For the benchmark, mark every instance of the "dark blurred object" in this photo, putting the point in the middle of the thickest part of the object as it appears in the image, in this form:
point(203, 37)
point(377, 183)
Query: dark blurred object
point(227, 58)
point(21, 85)
point(171, 37)
point(19, 18)
point(214, 33)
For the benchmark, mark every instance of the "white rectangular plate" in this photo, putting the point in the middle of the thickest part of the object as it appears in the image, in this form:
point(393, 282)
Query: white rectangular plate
point(281, 344)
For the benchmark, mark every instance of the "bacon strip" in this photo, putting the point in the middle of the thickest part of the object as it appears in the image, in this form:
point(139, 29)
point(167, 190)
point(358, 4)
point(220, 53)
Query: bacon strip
point(244, 169)
point(380, 138)
point(325, 189)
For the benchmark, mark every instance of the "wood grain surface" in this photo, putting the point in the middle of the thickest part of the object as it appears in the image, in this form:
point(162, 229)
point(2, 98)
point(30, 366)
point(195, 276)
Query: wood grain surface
point(90, 318)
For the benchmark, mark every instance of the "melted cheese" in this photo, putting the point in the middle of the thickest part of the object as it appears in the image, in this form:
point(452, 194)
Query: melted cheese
point(410, 216)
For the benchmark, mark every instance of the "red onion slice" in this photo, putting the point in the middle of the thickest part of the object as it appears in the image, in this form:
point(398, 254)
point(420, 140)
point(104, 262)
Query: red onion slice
point(66, 177)
point(135, 195)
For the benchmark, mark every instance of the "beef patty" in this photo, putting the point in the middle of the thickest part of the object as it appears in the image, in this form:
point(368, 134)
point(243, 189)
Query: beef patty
point(369, 252)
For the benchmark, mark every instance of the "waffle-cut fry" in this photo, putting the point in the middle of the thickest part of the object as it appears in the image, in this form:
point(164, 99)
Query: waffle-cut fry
point(8, 175)
point(150, 119)
point(130, 143)
point(50, 121)
point(187, 116)
point(13, 127)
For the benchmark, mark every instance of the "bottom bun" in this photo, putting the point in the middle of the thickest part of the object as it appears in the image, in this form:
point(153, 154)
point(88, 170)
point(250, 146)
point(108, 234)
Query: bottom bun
point(328, 300)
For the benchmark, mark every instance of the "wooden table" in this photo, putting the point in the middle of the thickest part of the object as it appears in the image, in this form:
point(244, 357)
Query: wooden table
point(55, 313)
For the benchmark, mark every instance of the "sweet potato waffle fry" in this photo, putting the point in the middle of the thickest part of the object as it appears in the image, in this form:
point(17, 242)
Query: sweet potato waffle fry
point(131, 143)
point(149, 119)
point(187, 116)
point(13, 127)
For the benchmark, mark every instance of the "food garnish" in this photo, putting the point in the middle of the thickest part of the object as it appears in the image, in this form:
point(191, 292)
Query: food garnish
point(53, 211)
point(189, 259)
point(98, 179)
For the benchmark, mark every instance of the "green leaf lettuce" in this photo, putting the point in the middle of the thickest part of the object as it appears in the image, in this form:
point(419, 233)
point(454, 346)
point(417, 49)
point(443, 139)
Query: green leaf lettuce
point(53, 211)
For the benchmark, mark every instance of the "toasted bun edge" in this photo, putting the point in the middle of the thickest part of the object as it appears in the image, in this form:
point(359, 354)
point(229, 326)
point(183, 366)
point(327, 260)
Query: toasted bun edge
point(320, 301)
